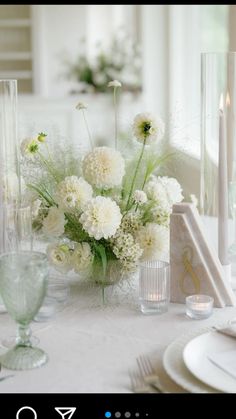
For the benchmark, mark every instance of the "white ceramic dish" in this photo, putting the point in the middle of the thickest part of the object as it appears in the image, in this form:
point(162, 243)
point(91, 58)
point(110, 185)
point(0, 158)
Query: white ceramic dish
point(196, 359)
point(175, 367)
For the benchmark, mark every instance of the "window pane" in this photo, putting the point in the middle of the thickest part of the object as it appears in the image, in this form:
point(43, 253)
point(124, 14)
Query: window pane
point(214, 28)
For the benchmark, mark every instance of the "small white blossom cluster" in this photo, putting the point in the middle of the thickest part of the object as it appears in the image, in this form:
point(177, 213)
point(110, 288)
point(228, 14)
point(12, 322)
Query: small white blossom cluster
point(126, 250)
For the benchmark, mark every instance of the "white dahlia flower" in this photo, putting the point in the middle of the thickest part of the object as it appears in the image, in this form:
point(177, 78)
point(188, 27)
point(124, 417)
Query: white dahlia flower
point(101, 218)
point(82, 257)
point(140, 197)
point(104, 167)
point(59, 257)
point(154, 240)
point(73, 193)
point(148, 128)
point(54, 223)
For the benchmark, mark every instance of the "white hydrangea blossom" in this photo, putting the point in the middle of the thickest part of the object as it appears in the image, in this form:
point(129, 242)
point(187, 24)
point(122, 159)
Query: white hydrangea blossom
point(164, 191)
point(73, 193)
point(148, 128)
point(101, 218)
point(54, 223)
point(156, 192)
point(173, 189)
point(82, 257)
point(140, 197)
point(154, 240)
point(59, 256)
point(104, 167)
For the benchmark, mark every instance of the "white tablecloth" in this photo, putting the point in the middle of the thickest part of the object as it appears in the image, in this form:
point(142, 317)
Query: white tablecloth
point(92, 347)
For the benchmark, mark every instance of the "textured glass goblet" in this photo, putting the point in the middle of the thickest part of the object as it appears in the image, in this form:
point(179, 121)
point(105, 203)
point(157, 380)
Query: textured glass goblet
point(23, 284)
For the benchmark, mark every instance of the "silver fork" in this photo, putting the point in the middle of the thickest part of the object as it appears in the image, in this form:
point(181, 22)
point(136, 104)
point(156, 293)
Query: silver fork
point(148, 372)
point(138, 385)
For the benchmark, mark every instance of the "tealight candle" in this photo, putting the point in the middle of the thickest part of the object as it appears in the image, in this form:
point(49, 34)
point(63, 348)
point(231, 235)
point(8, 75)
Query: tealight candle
point(199, 306)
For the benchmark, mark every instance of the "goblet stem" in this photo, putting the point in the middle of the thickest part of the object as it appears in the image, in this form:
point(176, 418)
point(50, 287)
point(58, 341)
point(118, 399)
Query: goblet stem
point(24, 335)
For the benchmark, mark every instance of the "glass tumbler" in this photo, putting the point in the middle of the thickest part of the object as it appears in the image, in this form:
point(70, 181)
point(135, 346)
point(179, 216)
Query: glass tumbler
point(154, 287)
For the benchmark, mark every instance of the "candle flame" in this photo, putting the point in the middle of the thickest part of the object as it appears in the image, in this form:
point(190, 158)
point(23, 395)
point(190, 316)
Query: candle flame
point(221, 107)
point(227, 99)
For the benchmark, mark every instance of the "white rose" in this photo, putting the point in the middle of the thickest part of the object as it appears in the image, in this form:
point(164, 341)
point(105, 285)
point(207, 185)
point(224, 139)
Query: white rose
point(54, 223)
point(59, 257)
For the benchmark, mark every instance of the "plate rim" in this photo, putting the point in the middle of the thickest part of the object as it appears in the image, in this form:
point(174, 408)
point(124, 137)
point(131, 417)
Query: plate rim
point(220, 371)
point(181, 341)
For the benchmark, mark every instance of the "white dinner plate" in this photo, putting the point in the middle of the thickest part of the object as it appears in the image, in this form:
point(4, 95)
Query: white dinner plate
point(196, 354)
point(174, 365)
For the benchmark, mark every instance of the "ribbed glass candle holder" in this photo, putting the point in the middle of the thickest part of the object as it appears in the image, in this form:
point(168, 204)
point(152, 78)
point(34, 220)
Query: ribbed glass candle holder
point(154, 287)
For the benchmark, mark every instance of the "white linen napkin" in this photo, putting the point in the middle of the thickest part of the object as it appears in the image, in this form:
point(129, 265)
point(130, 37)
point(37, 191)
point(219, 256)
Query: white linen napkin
point(225, 360)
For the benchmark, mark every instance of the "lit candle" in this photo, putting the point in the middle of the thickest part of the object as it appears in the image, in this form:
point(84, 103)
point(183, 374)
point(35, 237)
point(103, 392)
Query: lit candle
point(199, 306)
point(155, 297)
point(222, 190)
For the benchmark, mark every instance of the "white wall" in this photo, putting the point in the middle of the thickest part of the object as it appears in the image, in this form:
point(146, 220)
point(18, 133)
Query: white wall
point(58, 29)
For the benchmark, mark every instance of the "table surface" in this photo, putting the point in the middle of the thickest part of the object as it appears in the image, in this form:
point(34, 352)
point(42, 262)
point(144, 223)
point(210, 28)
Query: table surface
point(93, 346)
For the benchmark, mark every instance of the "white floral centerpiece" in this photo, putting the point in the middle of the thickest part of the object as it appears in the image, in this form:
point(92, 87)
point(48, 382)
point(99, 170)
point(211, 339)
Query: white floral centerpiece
point(101, 211)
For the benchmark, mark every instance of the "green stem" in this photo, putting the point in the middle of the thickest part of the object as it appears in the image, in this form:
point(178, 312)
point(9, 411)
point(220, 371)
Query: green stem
point(48, 166)
point(51, 203)
point(145, 179)
point(116, 119)
point(135, 174)
point(88, 130)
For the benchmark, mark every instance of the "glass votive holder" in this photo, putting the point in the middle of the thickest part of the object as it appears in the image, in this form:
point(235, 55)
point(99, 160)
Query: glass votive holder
point(154, 287)
point(199, 306)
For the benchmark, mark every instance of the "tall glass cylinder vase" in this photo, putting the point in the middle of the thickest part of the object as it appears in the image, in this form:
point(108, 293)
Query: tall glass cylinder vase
point(9, 153)
point(218, 155)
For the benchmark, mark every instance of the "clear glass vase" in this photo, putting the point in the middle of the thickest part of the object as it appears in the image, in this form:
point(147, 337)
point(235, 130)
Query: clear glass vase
point(10, 185)
point(218, 155)
point(112, 275)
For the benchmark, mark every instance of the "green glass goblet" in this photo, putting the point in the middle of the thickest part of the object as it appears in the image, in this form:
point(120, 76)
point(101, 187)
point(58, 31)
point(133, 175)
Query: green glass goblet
point(23, 284)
